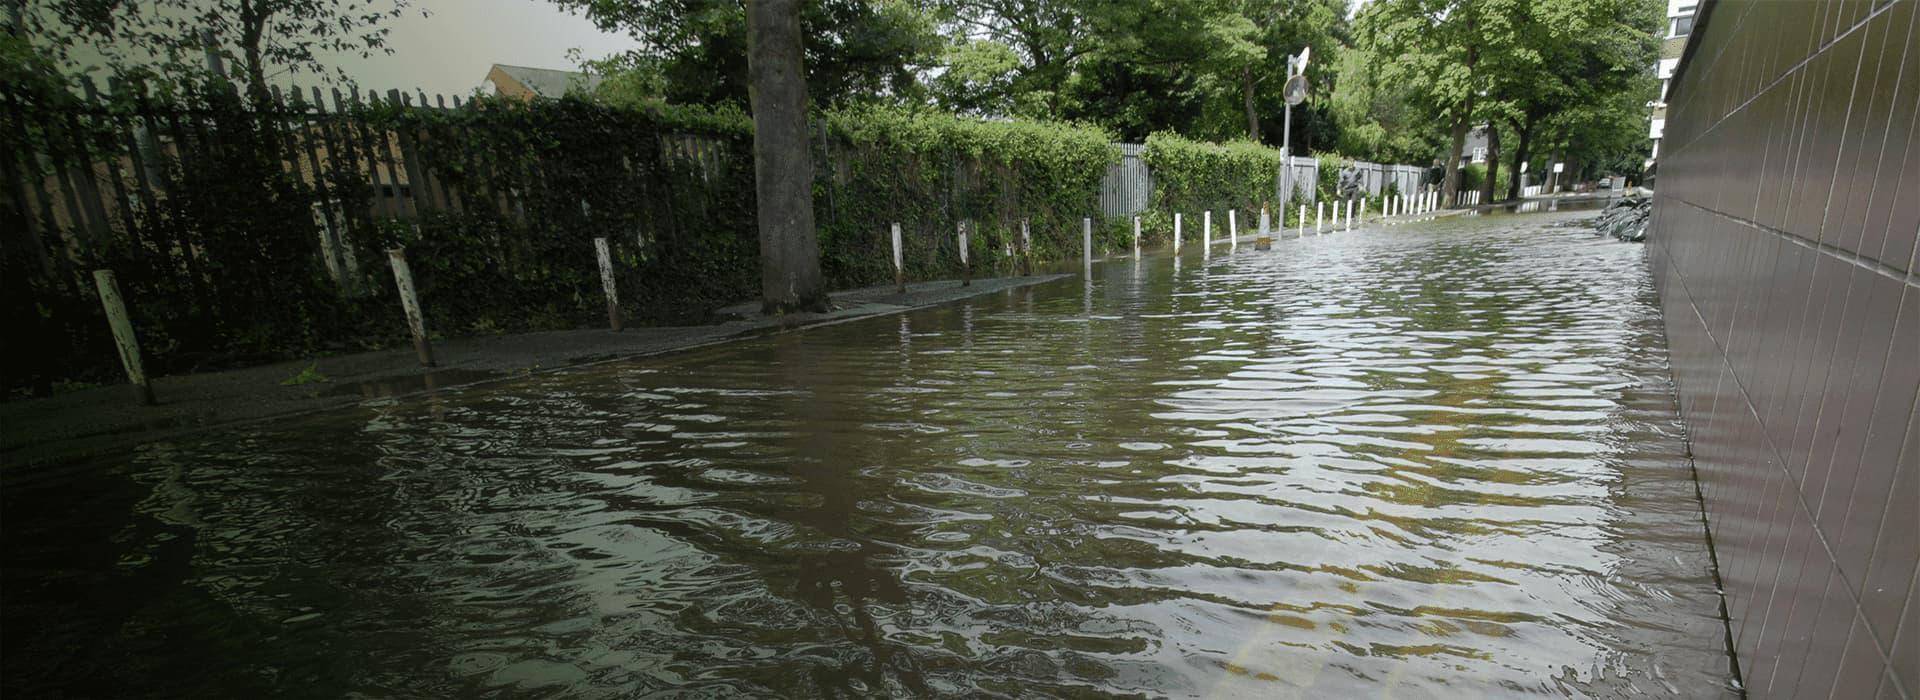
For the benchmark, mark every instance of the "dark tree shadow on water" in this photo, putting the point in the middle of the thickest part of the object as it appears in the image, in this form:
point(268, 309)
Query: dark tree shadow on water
point(848, 580)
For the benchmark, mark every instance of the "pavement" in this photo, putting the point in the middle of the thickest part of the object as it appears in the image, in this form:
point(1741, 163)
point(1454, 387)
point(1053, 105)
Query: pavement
point(103, 419)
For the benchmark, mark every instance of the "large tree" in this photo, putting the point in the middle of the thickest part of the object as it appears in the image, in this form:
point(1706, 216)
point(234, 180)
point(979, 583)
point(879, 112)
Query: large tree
point(1590, 78)
point(790, 277)
point(1437, 48)
point(263, 38)
point(695, 51)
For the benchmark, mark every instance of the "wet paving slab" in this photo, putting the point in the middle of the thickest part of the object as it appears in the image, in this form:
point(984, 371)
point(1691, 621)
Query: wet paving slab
point(1431, 460)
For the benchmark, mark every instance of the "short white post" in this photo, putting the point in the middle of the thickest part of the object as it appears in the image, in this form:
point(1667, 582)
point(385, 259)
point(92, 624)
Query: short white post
point(1026, 245)
point(966, 268)
point(1319, 211)
point(1206, 232)
point(123, 338)
point(606, 282)
point(1233, 229)
point(1363, 212)
point(410, 303)
point(899, 263)
point(1176, 232)
point(1303, 221)
point(1136, 237)
point(1086, 244)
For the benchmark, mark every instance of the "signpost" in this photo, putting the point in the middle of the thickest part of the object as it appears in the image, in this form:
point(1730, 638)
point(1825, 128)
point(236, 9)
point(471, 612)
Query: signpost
point(1295, 93)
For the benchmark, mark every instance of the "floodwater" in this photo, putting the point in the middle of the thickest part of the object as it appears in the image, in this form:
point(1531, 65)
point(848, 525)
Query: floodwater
point(1435, 460)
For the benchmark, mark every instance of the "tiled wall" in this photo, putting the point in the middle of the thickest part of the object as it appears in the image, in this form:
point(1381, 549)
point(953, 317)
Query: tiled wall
point(1783, 242)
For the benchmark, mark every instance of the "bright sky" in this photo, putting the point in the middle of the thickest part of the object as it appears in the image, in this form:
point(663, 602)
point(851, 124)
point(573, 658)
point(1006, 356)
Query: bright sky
point(449, 51)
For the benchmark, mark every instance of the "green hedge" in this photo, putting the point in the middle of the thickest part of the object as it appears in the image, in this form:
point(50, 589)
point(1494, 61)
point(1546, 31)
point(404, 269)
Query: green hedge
point(1192, 176)
point(931, 171)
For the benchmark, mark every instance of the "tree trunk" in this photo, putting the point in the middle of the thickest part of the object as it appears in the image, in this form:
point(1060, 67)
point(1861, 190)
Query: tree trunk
point(790, 277)
point(1450, 178)
point(1493, 163)
point(1519, 156)
point(1246, 94)
point(253, 29)
point(1462, 122)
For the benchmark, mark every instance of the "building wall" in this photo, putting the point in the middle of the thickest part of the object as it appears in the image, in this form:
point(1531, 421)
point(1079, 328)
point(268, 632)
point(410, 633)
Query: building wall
point(1783, 245)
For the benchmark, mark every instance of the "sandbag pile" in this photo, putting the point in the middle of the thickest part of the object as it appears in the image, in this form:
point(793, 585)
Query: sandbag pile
point(1626, 218)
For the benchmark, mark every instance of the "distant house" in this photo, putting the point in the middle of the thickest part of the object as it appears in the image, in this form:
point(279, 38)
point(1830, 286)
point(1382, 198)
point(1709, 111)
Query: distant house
point(527, 83)
point(1475, 148)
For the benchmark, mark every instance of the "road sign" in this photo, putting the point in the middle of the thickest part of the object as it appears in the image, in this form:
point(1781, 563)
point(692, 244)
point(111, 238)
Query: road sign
point(1559, 167)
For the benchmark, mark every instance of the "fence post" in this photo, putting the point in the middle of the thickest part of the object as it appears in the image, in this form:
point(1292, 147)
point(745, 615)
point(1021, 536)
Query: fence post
point(410, 303)
point(966, 267)
point(123, 338)
point(606, 282)
point(899, 266)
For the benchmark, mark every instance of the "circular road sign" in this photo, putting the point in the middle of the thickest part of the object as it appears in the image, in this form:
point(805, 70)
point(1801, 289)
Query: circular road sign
point(1296, 91)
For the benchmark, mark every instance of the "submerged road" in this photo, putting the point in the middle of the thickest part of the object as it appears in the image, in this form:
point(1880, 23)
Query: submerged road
point(1437, 460)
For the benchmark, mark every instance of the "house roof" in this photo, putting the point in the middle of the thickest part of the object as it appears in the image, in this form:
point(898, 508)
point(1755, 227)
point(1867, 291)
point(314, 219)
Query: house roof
point(547, 82)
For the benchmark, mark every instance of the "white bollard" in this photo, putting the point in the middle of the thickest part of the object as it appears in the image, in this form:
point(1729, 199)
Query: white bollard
point(606, 282)
point(1363, 212)
point(1206, 232)
point(1136, 237)
point(1302, 223)
point(1086, 244)
point(1176, 232)
point(1319, 214)
point(1233, 229)
point(1349, 224)
point(410, 303)
point(899, 263)
point(1026, 244)
point(966, 266)
point(1266, 223)
point(123, 338)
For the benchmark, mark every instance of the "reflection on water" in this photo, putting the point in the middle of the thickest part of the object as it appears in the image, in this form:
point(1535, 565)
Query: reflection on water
point(1435, 461)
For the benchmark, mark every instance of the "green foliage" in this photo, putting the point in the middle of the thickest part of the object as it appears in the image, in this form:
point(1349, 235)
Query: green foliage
point(696, 50)
point(166, 39)
point(1192, 176)
point(930, 171)
point(1474, 177)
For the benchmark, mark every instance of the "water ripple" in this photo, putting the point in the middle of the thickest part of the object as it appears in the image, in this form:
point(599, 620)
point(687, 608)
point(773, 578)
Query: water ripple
point(1393, 464)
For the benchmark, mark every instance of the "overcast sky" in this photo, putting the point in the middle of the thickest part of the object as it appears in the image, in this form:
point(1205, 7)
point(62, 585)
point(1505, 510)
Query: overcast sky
point(449, 51)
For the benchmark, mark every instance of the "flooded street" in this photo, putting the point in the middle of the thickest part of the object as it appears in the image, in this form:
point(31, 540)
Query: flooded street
point(1427, 461)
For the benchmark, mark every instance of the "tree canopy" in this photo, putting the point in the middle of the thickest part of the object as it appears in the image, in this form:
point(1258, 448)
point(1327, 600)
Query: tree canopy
point(1390, 80)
